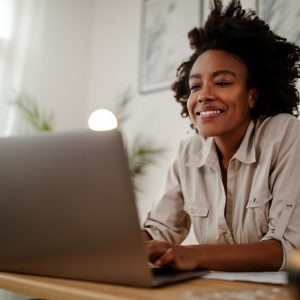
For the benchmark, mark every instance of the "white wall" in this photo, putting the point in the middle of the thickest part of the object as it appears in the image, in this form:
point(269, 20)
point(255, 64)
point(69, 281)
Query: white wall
point(57, 66)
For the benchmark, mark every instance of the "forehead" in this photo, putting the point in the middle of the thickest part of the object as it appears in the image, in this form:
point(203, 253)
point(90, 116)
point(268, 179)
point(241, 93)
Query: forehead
point(212, 61)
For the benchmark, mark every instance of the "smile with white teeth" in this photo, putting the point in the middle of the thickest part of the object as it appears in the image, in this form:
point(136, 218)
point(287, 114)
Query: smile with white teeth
point(208, 113)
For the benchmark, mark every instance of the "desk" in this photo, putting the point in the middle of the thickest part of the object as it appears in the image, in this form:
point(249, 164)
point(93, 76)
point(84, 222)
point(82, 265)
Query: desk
point(197, 289)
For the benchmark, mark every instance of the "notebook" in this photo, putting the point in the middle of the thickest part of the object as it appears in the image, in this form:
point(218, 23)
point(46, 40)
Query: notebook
point(67, 209)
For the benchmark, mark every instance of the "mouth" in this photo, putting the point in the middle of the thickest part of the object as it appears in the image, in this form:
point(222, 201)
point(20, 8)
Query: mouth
point(209, 113)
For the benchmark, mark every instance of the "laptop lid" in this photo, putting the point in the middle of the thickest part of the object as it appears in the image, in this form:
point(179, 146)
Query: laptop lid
point(67, 209)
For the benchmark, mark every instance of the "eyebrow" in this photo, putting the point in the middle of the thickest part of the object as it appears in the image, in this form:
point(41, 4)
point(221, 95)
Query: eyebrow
point(214, 74)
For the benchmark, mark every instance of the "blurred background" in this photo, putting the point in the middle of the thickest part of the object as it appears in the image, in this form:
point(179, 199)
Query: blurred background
point(71, 57)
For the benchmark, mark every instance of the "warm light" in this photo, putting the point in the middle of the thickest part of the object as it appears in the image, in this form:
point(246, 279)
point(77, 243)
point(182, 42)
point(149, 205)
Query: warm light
point(102, 119)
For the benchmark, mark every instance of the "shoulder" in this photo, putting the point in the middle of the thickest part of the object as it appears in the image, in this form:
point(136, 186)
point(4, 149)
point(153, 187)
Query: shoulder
point(192, 143)
point(277, 127)
point(192, 147)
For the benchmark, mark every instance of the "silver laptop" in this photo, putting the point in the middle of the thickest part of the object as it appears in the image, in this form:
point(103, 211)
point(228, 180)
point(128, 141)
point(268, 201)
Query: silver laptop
point(67, 209)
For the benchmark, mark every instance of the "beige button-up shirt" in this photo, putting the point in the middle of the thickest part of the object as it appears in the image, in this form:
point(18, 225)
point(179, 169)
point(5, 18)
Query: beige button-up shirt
point(263, 189)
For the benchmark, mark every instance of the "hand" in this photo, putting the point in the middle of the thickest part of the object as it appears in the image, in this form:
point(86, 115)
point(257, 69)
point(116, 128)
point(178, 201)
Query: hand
point(176, 256)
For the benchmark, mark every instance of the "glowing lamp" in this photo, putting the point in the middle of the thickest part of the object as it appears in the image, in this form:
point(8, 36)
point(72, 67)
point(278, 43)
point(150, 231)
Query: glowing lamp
point(101, 120)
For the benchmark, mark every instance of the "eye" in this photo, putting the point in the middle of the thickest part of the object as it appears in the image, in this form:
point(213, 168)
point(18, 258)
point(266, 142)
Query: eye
point(223, 83)
point(194, 87)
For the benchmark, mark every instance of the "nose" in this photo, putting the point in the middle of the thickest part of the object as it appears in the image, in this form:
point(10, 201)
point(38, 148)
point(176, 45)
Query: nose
point(205, 94)
point(205, 98)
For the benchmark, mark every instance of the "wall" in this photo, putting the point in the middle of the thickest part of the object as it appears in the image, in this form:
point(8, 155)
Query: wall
point(58, 57)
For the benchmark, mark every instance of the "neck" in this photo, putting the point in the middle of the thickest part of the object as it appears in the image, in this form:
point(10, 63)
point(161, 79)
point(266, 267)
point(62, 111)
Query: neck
point(228, 144)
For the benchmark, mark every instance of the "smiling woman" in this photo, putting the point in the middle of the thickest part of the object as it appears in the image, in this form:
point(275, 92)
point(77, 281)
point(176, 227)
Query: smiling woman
point(220, 101)
point(234, 181)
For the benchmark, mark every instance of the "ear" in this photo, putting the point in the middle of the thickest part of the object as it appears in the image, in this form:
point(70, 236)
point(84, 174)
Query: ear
point(252, 97)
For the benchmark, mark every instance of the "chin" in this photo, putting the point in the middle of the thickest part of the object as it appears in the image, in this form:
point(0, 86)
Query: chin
point(207, 133)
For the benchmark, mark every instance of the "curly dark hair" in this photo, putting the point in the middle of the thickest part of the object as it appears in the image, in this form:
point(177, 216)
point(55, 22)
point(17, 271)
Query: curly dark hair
point(272, 62)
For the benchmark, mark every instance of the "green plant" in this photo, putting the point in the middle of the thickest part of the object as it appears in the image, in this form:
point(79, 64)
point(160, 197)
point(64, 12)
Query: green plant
point(141, 154)
point(121, 108)
point(30, 112)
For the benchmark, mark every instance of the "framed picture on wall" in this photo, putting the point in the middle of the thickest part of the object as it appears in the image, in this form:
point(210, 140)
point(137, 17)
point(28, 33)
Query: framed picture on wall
point(164, 41)
point(282, 16)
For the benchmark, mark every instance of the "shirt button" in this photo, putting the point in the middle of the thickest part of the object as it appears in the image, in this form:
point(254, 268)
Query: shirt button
point(254, 200)
point(289, 205)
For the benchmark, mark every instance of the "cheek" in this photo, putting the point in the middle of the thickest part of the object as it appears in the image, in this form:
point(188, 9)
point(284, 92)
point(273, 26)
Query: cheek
point(190, 105)
point(240, 100)
point(245, 103)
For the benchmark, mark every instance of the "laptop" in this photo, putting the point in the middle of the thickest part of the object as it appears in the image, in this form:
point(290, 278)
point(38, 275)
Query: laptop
point(67, 209)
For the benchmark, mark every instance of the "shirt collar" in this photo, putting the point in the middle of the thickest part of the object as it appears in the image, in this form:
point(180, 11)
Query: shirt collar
point(204, 151)
point(246, 152)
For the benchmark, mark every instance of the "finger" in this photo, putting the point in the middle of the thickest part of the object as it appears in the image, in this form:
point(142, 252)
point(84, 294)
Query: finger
point(154, 252)
point(167, 258)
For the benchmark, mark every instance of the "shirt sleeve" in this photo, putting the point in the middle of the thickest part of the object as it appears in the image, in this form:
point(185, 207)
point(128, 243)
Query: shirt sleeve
point(284, 214)
point(167, 219)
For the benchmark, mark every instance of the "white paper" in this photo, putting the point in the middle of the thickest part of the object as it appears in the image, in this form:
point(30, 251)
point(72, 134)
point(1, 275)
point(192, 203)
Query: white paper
point(262, 277)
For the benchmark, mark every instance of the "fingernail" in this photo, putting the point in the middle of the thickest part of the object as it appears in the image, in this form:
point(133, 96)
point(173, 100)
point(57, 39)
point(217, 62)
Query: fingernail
point(158, 262)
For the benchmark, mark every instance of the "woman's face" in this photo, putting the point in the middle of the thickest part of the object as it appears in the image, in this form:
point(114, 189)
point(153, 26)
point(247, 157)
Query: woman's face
point(219, 103)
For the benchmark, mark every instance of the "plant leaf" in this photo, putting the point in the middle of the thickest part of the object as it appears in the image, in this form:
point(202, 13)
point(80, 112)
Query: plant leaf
point(121, 107)
point(30, 112)
point(142, 154)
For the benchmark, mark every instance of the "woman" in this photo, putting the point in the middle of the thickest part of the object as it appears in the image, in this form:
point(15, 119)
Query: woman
point(236, 180)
